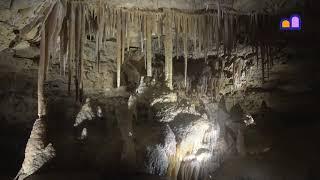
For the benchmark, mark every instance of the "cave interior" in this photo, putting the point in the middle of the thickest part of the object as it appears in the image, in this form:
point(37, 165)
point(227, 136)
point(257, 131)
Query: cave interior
point(159, 89)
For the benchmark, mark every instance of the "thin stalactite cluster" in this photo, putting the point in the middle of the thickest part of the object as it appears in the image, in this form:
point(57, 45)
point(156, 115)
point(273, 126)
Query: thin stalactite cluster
point(184, 32)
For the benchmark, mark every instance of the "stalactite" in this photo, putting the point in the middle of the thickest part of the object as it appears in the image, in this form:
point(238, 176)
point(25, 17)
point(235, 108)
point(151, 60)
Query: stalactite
point(69, 59)
point(44, 55)
point(149, 45)
point(168, 48)
point(141, 24)
point(108, 22)
point(63, 46)
point(88, 20)
point(158, 29)
point(226, 34)
point(217, 35)
point(234, 74)
point(200, 32)
point(238, 31)
point(113, 20)
point(257, 53)
point(197, 34)
point(176, 24)
point(127, 30)
point(268, 61)
point(72, 44)
point(105, 26)
point(144, 35)
point(189, 24)
point(100, 25)
point(185, 52)
point(78, 61)
point(206, 38)
point(262, 62)
point(56, 21)
point(77, 43)
point(231, 34)
point(119, 52)
point(194, 30)
point(219, 12)
point(270, 56)
point(214, 25)
point(123, 34)
point(82, 44)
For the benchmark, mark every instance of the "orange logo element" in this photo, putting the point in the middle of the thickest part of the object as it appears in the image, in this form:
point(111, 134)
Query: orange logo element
point(285, 24)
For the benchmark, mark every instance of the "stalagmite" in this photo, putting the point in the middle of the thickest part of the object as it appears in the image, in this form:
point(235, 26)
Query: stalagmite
point(168, 48)
point(149, 46)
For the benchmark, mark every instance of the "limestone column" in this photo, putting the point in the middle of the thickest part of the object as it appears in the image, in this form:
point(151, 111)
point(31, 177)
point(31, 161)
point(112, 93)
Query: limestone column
point(38, 152)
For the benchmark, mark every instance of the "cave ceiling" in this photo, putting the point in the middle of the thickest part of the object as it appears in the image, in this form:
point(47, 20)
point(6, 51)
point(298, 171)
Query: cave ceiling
point(243, 5)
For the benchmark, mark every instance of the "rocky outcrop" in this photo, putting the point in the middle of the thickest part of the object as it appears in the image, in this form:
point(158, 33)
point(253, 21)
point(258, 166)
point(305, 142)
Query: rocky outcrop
point(167, 141)
point(37, 153)
point(185, 137)
point(158, 156)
